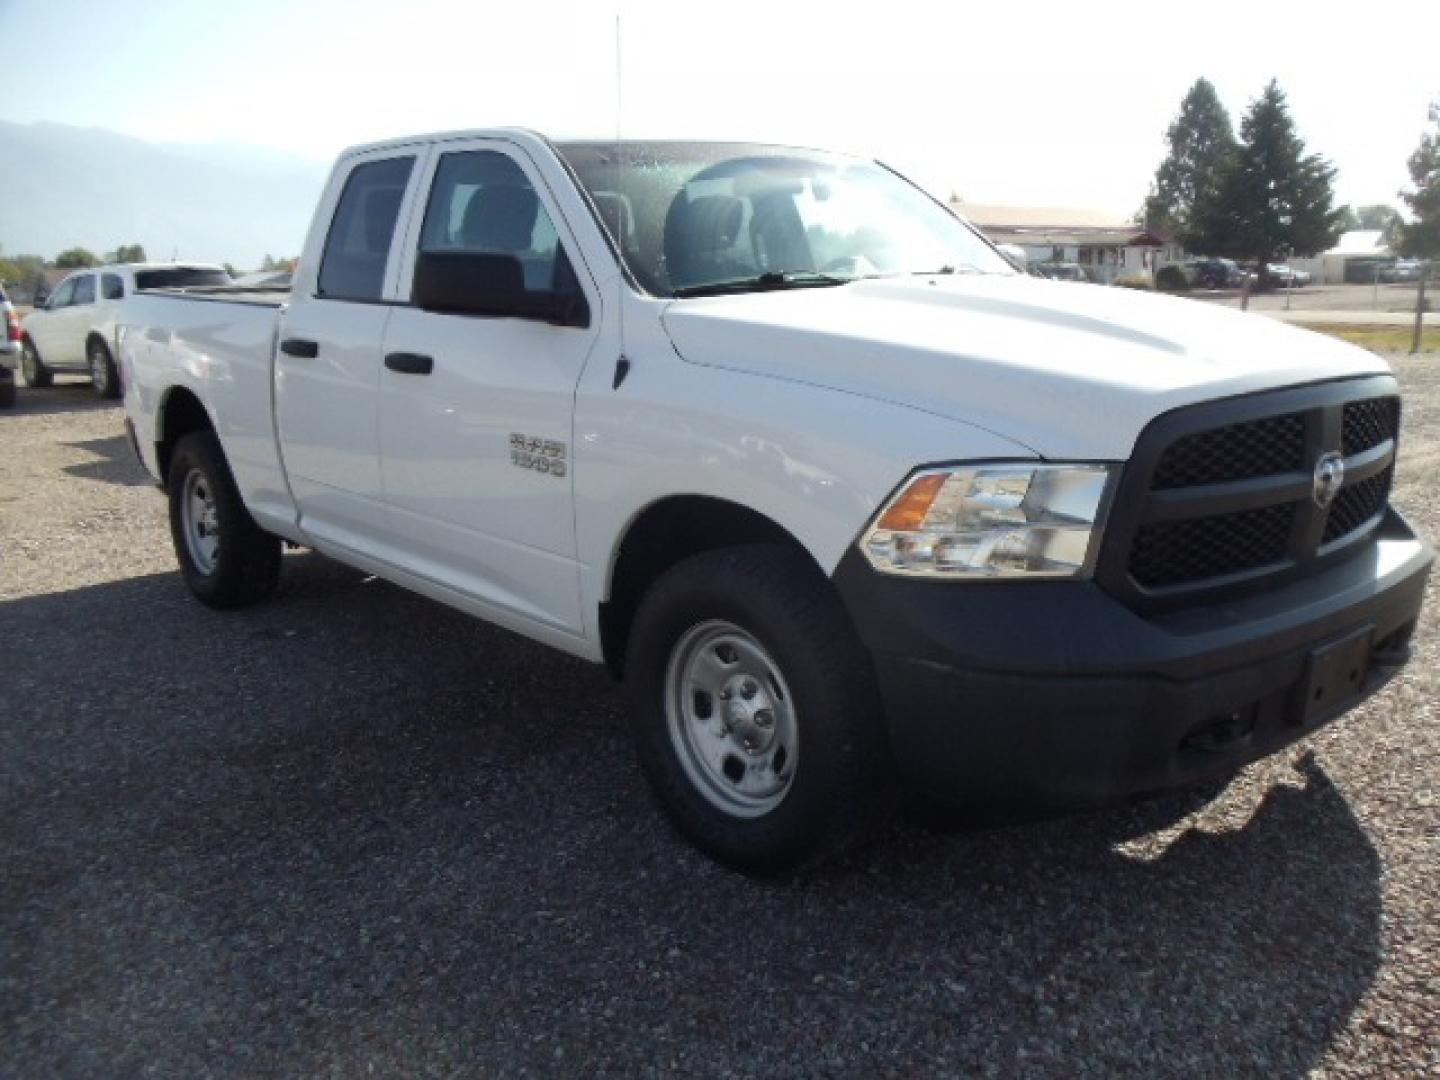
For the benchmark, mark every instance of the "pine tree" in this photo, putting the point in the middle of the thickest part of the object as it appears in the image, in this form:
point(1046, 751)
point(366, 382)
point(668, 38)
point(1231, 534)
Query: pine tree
point(1274, 200)
point(1422, 236)
point(1201, 140)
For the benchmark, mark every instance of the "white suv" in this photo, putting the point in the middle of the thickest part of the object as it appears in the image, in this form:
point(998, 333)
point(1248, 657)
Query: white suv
point(75, 330)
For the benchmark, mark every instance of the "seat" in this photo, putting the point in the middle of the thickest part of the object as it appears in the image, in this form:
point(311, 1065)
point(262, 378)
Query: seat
point(499, 218)
point(700, 237)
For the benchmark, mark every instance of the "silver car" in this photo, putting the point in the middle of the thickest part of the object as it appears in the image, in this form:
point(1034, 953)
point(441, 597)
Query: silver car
point(9, 349)
point(74, 330)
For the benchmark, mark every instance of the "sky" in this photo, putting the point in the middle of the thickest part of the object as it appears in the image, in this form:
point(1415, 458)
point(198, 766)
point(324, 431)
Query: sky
point(1022, 102)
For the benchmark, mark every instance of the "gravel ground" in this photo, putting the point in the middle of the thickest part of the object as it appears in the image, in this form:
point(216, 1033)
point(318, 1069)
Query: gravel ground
point(351, 832)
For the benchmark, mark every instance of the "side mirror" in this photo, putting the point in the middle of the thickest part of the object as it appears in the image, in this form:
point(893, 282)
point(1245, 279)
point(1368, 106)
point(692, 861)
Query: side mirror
point(490, 285)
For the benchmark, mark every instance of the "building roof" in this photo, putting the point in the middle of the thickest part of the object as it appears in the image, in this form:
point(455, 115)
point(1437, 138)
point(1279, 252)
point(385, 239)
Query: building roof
point(1361, 242)
point(1056, 225)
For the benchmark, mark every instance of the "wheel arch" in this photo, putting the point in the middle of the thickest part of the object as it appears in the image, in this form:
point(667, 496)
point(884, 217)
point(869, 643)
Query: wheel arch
point(180, 412)
point(664, 533)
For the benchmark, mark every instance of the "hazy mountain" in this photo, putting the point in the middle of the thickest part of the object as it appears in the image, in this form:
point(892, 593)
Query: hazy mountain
point(65, 186)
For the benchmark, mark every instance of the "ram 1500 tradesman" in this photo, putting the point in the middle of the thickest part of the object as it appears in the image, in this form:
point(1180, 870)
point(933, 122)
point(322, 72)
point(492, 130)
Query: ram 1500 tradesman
point(847, 501)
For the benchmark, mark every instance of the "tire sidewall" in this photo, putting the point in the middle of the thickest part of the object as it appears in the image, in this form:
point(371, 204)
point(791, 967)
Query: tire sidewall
point(798, 824)
point(225, 586)
point(32, 367)
point(98, 359)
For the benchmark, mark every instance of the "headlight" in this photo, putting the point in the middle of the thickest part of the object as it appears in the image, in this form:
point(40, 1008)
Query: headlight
point(997, 520)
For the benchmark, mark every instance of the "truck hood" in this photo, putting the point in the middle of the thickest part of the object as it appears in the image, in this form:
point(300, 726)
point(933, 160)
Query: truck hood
point(1065, 370)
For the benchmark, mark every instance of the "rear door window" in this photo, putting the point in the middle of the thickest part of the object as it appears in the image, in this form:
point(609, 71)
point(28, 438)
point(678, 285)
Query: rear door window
point(111, 287)
point(357, 249)
point(85, 289)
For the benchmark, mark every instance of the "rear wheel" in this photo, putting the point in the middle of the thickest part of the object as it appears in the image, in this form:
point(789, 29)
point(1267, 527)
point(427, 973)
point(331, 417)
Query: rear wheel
point(756, 715)
point(33, 371)
point(103, 375)
point(226, 559)
point(7, 389)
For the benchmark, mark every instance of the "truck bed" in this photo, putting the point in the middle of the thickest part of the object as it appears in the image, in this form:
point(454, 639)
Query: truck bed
point(268, 296)
point(218, 343)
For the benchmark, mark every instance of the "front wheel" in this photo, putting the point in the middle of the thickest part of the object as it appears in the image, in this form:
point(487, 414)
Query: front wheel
point(103, 375)
point(756, 715)
point(33, 371)
point(227, 560)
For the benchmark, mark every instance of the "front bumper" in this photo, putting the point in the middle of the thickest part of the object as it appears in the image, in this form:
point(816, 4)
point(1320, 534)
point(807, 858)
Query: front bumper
point(1040, 693)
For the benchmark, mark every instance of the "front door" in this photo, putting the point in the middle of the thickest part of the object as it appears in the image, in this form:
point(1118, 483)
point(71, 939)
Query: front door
point(477, 454)
point(328, 366)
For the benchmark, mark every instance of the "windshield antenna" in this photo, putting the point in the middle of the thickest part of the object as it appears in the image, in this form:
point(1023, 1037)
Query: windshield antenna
point(622, 362)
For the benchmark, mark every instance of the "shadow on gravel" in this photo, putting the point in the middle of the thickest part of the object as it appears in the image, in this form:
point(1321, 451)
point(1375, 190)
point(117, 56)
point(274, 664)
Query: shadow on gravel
point(117, 463)
point(65, 396)
point(352, 830)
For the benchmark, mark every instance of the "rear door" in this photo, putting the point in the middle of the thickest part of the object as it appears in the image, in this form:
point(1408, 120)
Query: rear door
point(328, 366)
point(476, 453)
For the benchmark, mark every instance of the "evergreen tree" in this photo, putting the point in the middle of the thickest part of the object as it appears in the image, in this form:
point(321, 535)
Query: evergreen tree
point(1422, 236)
point(1274, 200)
point(1201, 140)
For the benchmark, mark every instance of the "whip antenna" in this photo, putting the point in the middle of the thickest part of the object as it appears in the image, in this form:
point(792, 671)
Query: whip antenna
point(622, 362)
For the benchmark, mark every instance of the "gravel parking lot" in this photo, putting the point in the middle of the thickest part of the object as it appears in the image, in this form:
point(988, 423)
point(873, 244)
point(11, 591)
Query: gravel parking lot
point(351, 832)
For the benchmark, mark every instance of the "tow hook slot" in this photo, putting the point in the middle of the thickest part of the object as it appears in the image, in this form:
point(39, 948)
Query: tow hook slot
point(1221, 732)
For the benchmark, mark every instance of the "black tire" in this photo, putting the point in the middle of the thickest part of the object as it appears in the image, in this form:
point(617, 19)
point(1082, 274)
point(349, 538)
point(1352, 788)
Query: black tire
point(103, 375)
point(841, 788)
point(246, 560)
point(7, 390)
point(33, 371)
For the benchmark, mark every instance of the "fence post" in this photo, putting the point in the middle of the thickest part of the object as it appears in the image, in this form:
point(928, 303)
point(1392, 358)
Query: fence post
point(1419, 308)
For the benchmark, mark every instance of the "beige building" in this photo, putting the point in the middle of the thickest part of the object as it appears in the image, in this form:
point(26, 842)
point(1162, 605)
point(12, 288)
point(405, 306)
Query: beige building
point(1106, 245)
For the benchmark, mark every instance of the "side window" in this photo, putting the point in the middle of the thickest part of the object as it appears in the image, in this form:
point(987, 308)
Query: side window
point(63, 296)
point(352, 266)
point(480, 201)
point(111, 287)
point(85, 289)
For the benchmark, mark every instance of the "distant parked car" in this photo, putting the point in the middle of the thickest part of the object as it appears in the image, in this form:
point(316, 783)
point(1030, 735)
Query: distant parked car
point(1401, 270)
point(75, 329)
point(1285, 276)
point(1216, 273)
point(9, 349)
point(1062, 271)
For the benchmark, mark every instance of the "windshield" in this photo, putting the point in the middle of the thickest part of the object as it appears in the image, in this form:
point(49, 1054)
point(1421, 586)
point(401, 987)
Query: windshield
point(713, 217)
point(177, 277)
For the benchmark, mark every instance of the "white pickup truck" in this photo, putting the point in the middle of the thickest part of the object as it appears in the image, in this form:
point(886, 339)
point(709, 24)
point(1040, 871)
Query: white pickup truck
point(848, 502)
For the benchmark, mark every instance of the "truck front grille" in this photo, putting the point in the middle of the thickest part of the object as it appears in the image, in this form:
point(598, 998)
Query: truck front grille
point(1223, 497)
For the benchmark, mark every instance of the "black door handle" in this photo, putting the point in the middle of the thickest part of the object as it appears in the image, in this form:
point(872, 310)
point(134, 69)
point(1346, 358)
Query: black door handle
point(300, 348)
point(409, 363)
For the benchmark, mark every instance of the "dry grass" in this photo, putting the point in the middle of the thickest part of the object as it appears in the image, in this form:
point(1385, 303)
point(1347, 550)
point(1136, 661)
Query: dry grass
point(1382, 339)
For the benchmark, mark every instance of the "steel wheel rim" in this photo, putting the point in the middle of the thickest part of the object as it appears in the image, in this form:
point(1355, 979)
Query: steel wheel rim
point(731, 719)
point(199, 521)
point(29, 366)
point(98, 375)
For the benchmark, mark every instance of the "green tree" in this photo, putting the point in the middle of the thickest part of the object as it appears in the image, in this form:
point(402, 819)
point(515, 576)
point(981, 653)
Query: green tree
point(1422, 236)
point(1274, 200)
point(75, 257)
point(130, 253)
point(1201, 141)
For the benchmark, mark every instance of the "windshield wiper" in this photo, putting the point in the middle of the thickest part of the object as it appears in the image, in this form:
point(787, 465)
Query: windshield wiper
point(769, 281)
